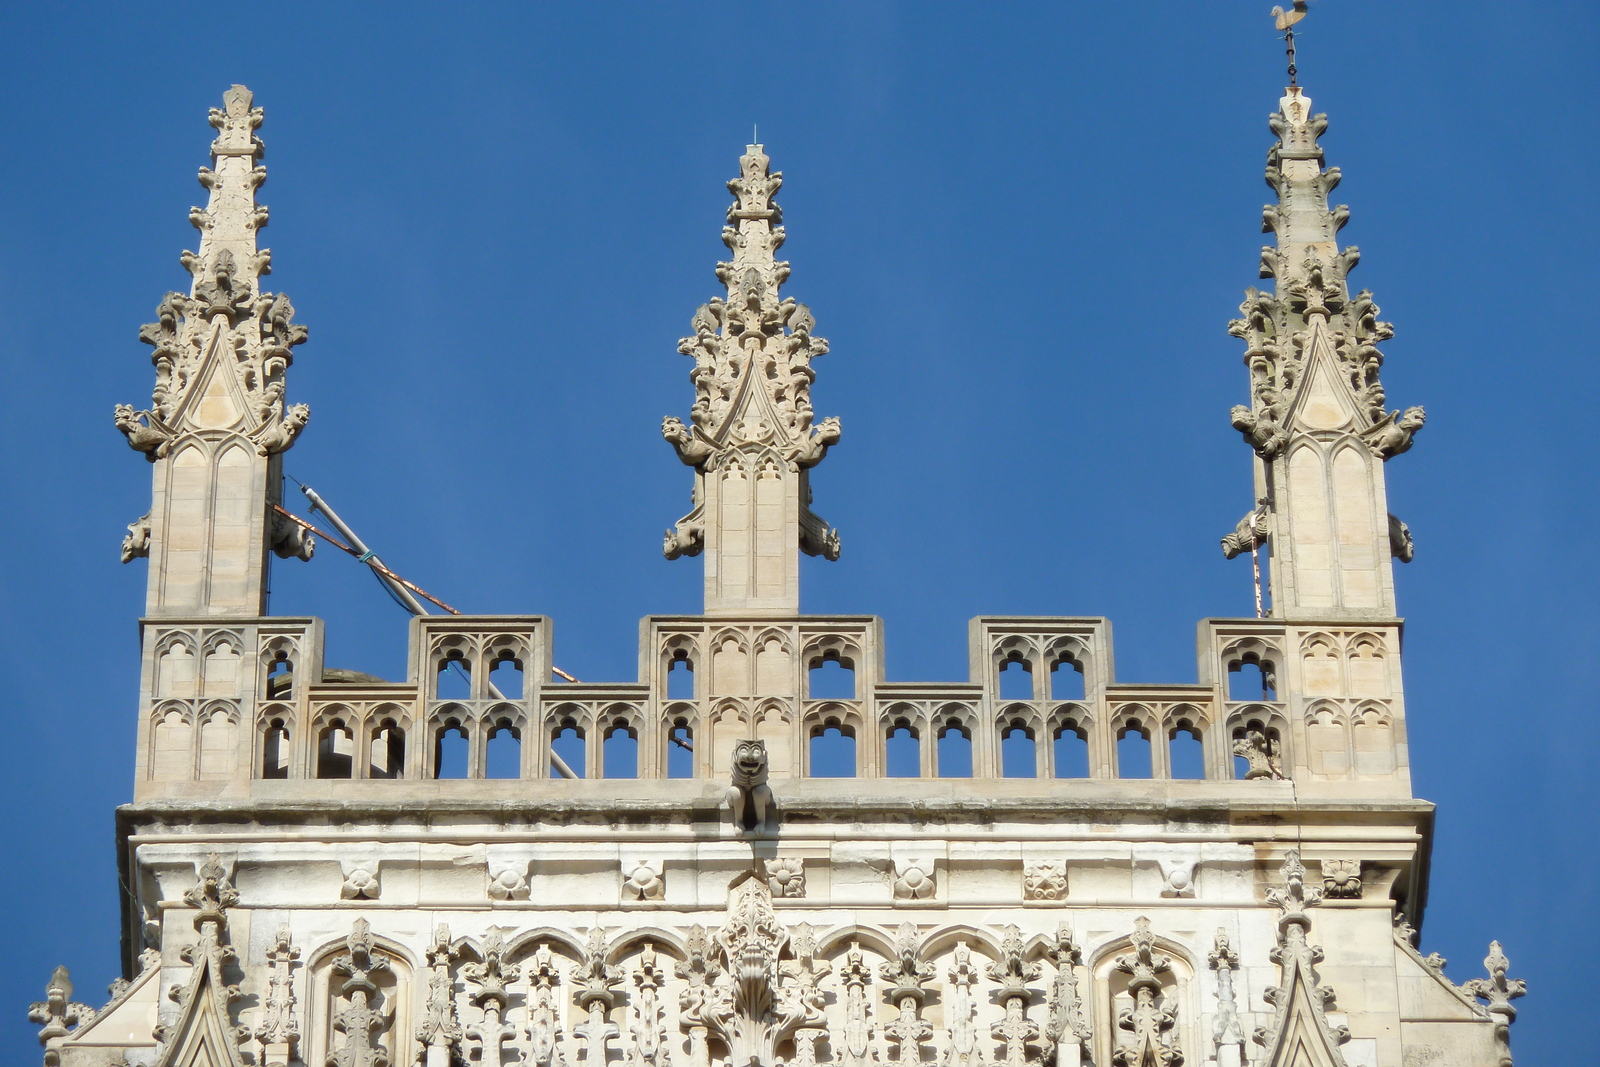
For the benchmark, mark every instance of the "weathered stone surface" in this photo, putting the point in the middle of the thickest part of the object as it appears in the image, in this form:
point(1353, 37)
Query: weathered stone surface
point(315, 892)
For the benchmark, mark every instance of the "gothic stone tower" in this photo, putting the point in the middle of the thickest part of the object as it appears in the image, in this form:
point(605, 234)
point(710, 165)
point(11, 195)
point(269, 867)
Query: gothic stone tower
point(304, 885)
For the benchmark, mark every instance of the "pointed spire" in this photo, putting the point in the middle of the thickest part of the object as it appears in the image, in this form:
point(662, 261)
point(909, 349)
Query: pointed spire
point(1316, 416)
point(218, 417)
point(751, 440)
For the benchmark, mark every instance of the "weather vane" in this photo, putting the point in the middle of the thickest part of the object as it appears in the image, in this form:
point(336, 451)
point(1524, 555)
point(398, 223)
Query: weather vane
point(1285, 21)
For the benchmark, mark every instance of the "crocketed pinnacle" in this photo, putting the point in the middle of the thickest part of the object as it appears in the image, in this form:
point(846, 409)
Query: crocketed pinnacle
point(752, 353)
point(1311, 310)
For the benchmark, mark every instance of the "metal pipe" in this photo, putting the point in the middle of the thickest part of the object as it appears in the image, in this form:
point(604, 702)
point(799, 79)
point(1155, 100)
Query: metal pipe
point(412, 604)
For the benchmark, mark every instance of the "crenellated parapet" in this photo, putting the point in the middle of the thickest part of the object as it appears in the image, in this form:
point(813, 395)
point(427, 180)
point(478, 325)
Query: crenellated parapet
point(751, 440)
point(218, 417)
point(1316, 418)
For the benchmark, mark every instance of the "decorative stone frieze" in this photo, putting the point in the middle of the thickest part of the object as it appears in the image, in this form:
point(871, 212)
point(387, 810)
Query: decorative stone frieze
point(508, 883)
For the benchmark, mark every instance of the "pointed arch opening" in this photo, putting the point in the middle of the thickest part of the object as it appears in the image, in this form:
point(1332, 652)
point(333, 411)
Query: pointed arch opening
point(335, 750)
point(954, 745)
point(1019, 756)
point(902, 751)
point(619, 750)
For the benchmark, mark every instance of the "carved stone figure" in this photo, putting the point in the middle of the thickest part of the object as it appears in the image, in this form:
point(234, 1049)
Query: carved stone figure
point(289, 540)
point(856, 1048)
point(1260, 428)
point(959, 1016)
point(136, 543)
point(1260, 753)
point(1401, 546)
point(1250, 534)
point(1392, 436)
point(750, 797)
point(150, 436)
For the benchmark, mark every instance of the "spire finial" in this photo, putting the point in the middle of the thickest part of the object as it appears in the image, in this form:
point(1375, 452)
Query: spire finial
point(1285, 21)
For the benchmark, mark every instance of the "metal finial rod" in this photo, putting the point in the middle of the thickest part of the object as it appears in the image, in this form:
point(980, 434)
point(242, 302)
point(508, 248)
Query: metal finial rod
point(1285, 21)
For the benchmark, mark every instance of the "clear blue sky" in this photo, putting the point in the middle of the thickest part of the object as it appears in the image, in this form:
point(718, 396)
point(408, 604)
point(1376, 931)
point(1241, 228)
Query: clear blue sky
point(1023, 229)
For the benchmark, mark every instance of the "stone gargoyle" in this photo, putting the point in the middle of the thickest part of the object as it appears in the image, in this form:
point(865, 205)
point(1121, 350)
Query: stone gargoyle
point(150, 436)
point(750, 797)
point(1393, 434)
